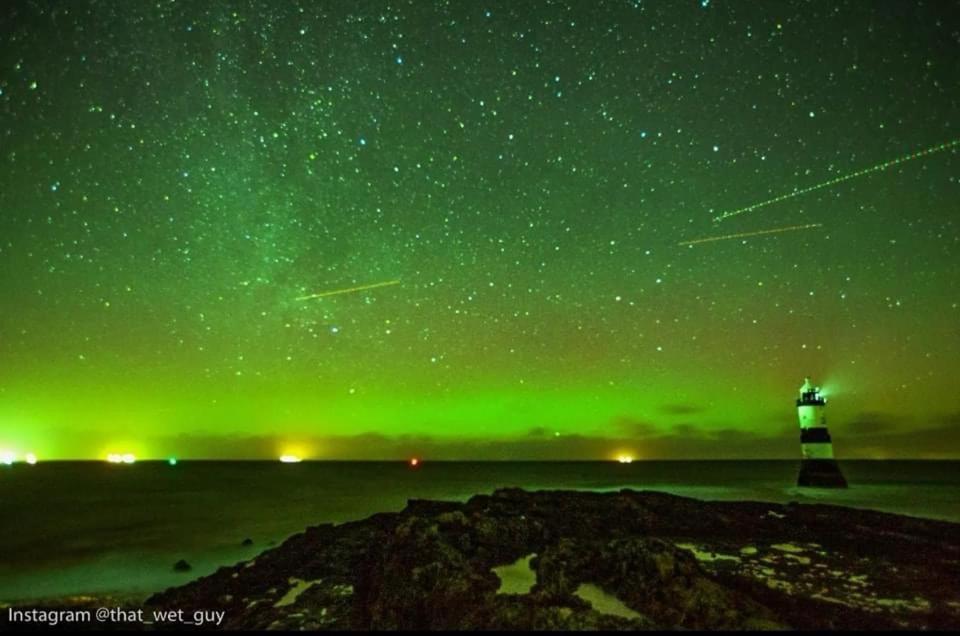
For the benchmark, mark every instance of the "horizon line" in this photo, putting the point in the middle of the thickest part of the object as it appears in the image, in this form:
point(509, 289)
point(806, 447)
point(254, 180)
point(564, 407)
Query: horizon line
point(422, 460)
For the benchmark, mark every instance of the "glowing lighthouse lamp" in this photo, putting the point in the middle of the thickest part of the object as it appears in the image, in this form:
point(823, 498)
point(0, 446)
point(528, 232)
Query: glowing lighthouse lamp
point(818, 468)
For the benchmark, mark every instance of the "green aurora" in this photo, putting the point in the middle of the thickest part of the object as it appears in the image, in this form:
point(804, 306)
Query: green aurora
point(176, 178)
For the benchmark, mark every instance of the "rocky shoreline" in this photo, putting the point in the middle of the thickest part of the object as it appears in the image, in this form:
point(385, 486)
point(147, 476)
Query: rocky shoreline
point(675, 562)
point(586, 560)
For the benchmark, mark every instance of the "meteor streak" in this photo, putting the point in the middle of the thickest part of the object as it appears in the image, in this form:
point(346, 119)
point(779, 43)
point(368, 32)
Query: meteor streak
point(349, 290)
point(853, 175)
point(776, 230)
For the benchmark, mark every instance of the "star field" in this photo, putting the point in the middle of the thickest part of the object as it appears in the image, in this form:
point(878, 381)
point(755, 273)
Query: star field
point(176, 178)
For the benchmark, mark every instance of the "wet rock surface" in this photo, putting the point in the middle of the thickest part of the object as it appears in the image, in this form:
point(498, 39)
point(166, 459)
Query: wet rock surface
point(668, 561)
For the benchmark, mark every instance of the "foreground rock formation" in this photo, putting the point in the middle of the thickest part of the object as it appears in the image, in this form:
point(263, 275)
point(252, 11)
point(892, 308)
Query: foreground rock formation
point(647, 559)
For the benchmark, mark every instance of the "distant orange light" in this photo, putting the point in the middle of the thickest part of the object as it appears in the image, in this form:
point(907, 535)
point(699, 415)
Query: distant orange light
point(414, 462)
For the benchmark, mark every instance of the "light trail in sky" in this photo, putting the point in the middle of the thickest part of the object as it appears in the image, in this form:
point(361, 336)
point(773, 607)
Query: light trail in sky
point(846, 177)
point(726, 237)
point(348, 290)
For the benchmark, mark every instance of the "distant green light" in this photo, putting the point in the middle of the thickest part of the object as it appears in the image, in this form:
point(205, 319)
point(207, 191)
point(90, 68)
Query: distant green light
point(172, 461)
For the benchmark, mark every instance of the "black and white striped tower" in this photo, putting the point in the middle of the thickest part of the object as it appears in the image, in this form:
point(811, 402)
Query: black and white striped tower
point(818, 469)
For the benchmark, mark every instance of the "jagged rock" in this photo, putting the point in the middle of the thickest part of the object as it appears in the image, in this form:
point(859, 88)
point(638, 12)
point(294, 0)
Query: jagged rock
point(656, 560)
point(655, 578)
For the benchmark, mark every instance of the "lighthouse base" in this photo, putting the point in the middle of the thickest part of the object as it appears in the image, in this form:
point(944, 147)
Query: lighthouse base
point(820, 473)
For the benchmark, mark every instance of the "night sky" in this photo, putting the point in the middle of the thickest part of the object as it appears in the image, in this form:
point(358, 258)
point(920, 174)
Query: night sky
point(177, 176)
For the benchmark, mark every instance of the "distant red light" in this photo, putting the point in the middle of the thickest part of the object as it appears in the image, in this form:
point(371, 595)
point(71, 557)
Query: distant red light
point(414, 462)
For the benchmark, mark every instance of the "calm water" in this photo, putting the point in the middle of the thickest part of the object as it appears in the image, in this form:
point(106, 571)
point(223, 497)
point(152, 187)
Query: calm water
point(85, 527)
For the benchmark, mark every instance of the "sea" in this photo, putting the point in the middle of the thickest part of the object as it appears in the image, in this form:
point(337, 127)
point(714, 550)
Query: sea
point(99, 529)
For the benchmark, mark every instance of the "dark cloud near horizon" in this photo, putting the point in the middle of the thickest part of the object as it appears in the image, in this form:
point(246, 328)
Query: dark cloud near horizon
point(888, 437)
point(865, 436)
point(680, 442)
point(871, 423)
point(682, 409)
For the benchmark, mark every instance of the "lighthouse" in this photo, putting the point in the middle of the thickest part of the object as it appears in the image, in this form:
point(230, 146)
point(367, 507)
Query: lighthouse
point(818, 469)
